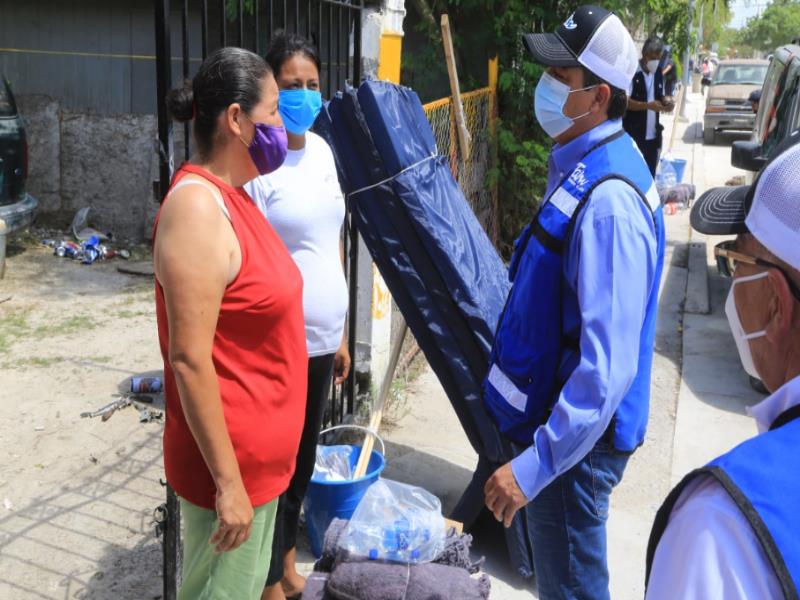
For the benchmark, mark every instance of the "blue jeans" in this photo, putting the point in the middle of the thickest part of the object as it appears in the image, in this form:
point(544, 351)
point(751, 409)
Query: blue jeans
point(567, 524)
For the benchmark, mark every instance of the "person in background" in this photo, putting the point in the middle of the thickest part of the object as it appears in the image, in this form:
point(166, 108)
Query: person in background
point(730, 529)
point(230, 327)
point(754, 99)
point(668, 70)
point(648, 100)
point(569, 378)
point(304, 203)
point(706, 70)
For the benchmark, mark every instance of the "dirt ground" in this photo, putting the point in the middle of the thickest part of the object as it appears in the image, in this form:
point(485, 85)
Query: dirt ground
point(76, 495)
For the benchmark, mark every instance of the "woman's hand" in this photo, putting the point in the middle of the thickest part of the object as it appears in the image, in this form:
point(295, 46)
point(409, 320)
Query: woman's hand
point(235, 515)
point(341, 363)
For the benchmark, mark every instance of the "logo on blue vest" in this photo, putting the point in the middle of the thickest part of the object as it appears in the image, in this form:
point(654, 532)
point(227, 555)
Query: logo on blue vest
point(570, 23)
point(578, 179)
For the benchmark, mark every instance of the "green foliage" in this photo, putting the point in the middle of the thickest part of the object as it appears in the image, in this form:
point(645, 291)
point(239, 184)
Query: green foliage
point(778, 24)
point(232, 8)
point(497, 26)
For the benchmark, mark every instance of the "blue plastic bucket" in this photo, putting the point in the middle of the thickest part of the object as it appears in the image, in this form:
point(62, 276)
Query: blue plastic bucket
point(679, 164)
point(326, 500)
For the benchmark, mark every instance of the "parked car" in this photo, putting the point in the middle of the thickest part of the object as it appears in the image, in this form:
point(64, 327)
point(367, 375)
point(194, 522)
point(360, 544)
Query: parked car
point(17, 207)
point(727, 106)
point(778, 111)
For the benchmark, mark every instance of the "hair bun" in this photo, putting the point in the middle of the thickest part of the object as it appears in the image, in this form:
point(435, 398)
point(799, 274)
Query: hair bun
point(180, 102)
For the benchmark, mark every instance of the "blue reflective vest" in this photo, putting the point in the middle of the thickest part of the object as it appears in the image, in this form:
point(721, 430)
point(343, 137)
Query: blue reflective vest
point(762, 476)
point(534, 350)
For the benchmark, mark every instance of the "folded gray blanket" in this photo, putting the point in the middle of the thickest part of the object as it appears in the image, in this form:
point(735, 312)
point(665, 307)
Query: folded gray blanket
point(364, 580)
point(339, 576)
point(315, 587)
point(682, 192)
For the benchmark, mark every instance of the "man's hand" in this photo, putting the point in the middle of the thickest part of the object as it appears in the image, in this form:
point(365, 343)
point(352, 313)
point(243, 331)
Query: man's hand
point(503, 496)
point(341, 364)
point(235, 515)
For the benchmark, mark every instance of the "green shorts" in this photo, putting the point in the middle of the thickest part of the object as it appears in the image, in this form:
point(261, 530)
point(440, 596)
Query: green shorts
point(236, 575)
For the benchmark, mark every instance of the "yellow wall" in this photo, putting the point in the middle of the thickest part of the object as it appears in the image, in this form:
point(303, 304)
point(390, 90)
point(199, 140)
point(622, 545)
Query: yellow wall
point(389, 59)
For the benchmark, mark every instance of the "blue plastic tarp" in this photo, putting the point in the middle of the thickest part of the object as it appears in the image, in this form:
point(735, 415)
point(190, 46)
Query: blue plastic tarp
point(440, 266)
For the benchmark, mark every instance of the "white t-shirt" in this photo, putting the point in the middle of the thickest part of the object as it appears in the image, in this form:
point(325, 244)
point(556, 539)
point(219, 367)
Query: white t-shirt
point(649, 82)
point(303, 202)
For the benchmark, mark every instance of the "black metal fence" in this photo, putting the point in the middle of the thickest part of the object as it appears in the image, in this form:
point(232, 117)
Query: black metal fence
point(334, 26)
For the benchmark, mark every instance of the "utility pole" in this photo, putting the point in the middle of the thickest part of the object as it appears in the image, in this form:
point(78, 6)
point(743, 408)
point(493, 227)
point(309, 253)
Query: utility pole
point(687, 76)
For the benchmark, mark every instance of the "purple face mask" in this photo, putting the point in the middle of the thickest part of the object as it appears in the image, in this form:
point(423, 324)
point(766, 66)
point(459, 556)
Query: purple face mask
point(268, 148)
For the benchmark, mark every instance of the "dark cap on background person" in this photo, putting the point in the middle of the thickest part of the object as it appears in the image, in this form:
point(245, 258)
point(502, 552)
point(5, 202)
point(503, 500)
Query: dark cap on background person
point(591, 37)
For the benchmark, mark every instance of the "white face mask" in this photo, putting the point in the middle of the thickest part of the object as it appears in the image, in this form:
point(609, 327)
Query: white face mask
point(652, 65)
point(550, 97)
point(743, 339)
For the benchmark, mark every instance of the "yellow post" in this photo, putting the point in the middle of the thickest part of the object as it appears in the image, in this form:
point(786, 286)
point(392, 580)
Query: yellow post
point(493, 74)
point(389, 58)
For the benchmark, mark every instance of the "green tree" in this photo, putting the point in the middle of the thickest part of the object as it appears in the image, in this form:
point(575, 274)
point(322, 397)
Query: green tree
point(498, 26)
point(778, 24)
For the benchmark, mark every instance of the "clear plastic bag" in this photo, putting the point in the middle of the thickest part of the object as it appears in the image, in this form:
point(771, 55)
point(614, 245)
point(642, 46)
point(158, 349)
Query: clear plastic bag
point(397, 523)
point(333, 463)
point(667, 176)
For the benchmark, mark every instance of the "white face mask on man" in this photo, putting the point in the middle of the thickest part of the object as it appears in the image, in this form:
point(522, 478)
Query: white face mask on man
point(739, 335)
point(652, 65)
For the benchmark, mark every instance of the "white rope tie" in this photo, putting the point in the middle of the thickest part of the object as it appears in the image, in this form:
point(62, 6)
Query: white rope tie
point(393, 177)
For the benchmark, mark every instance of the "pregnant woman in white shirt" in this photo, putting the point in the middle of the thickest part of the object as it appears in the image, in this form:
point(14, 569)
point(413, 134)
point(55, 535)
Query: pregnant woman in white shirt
point(303, 202)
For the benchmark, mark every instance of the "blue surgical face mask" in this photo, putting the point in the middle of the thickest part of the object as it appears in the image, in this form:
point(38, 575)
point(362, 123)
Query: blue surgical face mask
point(548, 105)
point(299, 109)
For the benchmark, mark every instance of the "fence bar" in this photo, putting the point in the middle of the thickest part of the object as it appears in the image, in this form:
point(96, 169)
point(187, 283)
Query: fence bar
point(240, 18)
point(185, 61)
point(297, 16)
point(338, 47)
point(204, 28)
point(171, 509)
point(330, 50)
point(357, 44)
point(163, 84)
point(256, 32)
point(285, 16)
point(223, 23)
point(308, 21)
point(349, 14)
point(271, 18)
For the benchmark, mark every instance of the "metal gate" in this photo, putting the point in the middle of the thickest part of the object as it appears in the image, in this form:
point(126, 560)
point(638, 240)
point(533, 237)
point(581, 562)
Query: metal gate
point(334, 26)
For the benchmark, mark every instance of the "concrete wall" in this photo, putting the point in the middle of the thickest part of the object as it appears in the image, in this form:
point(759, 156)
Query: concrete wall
point(81, 159)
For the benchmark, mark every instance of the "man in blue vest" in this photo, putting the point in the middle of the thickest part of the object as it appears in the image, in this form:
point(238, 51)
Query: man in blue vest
point(731, 529)
point(569, 379)
point(648, 98)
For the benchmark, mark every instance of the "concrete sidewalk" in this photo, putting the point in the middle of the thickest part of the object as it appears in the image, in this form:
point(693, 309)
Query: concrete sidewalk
point(714, 388)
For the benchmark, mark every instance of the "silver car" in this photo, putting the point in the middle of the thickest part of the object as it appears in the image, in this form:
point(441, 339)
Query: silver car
point(727, 105)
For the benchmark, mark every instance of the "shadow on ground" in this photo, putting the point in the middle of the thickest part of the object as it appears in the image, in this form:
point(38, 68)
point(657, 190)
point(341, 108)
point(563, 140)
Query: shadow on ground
point(48, 527)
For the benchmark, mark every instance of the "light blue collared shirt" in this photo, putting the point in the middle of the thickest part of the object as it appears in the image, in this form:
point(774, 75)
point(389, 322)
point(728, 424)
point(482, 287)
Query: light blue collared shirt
point(609, 268)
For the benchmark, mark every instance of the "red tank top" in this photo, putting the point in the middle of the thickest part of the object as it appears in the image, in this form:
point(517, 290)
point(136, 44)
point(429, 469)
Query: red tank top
point(261, 360)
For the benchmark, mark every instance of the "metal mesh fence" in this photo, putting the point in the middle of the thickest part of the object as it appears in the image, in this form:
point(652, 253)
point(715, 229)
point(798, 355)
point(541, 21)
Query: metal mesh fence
point(479, 111)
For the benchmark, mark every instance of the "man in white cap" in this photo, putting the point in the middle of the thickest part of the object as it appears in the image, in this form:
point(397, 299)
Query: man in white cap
point(569, 380)
point(731, 529)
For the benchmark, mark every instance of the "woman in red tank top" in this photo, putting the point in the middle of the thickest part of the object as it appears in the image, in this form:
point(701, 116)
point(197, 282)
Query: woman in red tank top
point(230, 324)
